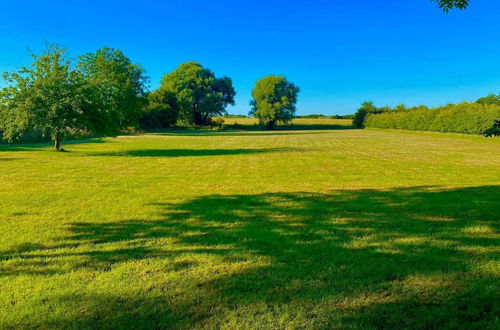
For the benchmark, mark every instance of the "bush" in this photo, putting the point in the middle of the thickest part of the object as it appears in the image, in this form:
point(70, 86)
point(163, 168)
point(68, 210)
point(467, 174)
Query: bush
point(469, 118)
point(367, 108)
point(160, 110)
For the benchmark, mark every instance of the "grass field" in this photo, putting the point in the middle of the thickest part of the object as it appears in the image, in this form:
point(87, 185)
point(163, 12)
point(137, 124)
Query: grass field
point(252, 229)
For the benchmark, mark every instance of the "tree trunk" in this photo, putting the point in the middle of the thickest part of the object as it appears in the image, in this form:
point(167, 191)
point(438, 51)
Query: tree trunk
point(57, 142)
point(271, 124)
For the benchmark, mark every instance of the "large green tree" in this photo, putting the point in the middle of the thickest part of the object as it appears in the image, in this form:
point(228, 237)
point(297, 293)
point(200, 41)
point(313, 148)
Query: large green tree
point(48, 97)
point(119, 85)
point(200, 94)
point(160, 111)
point(53, 98)
point(366, 108)
point(447, 5)
point(274, 99)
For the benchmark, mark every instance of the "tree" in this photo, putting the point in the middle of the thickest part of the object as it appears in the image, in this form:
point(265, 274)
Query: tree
point(118, 84)
point(200, 95)
point(447, 5)
point(490, 99)
point(161, 110)
point(47, 97)
point(360, 115)
point(52, 98)
point(274, 99)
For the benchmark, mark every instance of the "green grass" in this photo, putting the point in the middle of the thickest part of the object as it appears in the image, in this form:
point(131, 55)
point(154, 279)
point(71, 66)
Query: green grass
point(252, 229)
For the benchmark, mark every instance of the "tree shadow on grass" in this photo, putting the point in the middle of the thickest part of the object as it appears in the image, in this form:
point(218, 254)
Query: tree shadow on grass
point(410, 258)
point(189, 152)
point(250, 131)
point(44, 145)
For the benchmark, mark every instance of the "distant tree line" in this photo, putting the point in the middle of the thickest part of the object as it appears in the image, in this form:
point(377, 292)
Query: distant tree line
point(320, 116)
point(104, 93)
point(479, 117)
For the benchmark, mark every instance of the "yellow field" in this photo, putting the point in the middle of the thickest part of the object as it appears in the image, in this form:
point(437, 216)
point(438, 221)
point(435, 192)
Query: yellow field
point(298, 121)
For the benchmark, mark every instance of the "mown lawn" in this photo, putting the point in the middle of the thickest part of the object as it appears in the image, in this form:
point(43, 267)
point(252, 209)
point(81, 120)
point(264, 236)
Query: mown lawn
point(252, 229)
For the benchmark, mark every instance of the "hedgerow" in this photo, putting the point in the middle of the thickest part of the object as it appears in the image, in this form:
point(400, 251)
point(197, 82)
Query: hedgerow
point(469, 118)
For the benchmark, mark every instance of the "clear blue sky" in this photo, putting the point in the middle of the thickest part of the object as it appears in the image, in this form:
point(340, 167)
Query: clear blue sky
point(340, 52)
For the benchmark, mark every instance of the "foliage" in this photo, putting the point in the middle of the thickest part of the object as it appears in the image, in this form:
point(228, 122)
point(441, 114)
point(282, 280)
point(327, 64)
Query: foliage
point(48, 97)
point(341, 117)
point(52, 98)
point(228, 115)
point(312, 116)
point(320, 116)
point(490, 99)
point(469, 118)
point(447, 5)
point(200, 95)
point(161, 110)
point(493, 130)
point(274, 99)
point(366, 108)
point(118, 84)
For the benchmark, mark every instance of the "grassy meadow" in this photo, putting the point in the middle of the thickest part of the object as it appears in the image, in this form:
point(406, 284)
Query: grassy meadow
point(233, 229)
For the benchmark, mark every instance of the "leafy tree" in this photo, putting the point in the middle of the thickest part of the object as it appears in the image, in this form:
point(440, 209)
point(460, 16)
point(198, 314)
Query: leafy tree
point(161, 110)
point(118, 84)
point(366, 108)
point(48, 97)
point(447, 5)
point(490, 99)
point(274, 99)
point(200, 95)
point(400, 107)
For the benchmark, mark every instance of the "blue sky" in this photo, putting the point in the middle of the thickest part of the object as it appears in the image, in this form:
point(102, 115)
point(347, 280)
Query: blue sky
point(340, 52)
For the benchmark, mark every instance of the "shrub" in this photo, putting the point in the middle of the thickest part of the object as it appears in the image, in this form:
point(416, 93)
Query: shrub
point(160, 110)
point(367, 108)
point(469, 118)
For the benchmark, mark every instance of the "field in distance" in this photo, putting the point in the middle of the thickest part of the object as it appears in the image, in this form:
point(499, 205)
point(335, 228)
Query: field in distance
point(252, 229)
point(312, 122)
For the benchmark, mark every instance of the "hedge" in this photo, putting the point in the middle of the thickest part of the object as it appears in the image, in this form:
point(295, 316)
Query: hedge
point(469, 118)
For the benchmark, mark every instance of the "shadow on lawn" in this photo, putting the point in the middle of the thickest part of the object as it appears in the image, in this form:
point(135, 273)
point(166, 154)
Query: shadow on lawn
point(189, 152)
point(249, 130)
point(406, 258)
point(44, 145)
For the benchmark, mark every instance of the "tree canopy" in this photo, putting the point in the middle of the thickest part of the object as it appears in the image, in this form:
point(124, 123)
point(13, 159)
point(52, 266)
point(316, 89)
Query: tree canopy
point(274, 99)
point(200, 94)
point(118, 84)
point(48, 97)
point(490, 99)
point(360, 115)
point(54, 99)
point(161, 110)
